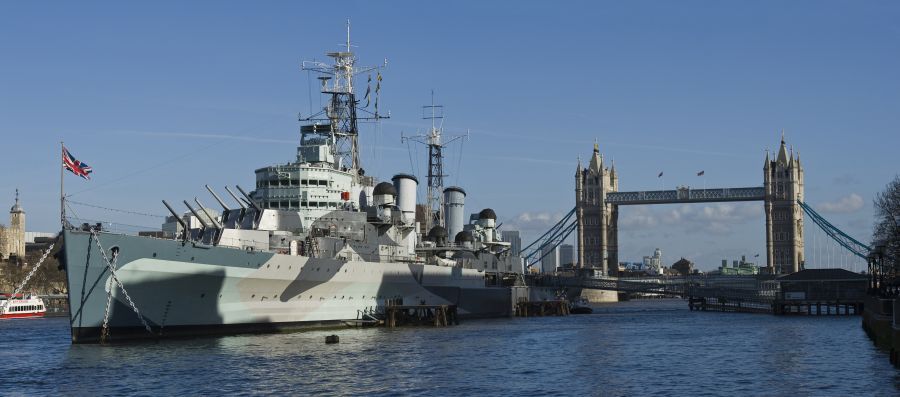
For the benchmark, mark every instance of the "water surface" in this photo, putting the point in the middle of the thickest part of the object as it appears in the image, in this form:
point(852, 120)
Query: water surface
point(631, 348)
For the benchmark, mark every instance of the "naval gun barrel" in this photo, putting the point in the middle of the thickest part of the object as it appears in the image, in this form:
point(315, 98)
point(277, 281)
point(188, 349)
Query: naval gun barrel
point(202, 222)
point(249, 200)
point(219, 199)
point(184, 228)
point(211, 219)
point(235, 197)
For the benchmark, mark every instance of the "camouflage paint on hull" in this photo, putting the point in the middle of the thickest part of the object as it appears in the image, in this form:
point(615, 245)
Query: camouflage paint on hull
point(187, 289)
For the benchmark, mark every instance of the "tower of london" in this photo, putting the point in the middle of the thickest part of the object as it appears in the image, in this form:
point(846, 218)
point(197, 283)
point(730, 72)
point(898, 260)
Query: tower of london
point(12, 237)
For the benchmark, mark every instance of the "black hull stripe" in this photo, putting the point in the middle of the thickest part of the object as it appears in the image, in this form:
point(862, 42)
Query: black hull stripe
point(91, 335)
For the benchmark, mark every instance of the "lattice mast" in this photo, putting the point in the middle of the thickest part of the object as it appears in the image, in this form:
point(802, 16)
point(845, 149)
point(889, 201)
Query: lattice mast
point(342, 111)
point(435, 142)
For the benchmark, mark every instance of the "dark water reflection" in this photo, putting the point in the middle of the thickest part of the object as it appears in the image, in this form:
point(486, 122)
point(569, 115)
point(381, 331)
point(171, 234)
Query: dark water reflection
point(632, 348)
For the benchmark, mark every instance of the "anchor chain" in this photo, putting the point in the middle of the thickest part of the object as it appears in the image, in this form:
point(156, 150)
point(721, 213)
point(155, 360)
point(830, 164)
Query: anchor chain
point(112, 273)
point(104, 332)
point(28, 277)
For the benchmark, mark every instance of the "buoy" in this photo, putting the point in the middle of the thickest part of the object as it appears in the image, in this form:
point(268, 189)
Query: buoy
point(332, 339)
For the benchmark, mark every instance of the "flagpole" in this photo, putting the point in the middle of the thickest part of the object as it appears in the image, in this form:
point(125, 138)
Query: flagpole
point(62, 197)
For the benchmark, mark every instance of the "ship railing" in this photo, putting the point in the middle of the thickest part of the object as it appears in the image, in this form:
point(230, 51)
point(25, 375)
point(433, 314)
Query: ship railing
point(116, 227)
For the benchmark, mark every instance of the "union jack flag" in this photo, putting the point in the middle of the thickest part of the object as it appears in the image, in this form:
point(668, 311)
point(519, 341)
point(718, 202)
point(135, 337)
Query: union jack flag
point(77, 167)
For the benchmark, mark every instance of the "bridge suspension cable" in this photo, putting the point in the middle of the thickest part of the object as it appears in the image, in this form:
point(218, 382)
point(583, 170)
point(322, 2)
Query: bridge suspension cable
point(849, 243)
point(543, 245)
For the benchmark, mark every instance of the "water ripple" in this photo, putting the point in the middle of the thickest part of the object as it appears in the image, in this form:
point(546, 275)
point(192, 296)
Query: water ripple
point(652, 348)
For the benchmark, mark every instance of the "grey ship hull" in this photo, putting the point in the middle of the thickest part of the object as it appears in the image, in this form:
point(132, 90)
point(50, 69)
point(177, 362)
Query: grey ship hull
point(186, 289)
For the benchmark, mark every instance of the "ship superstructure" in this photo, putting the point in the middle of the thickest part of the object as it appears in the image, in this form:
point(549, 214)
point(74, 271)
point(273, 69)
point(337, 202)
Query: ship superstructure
point(316, 242)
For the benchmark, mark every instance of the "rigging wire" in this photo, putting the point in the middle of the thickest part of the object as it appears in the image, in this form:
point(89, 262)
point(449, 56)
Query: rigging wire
point(136, 227)
point(190, 153)
point(459, 161)
point(309, 90)
point(113, 209)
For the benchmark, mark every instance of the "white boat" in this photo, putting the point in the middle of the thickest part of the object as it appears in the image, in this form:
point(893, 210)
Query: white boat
point(21, 306)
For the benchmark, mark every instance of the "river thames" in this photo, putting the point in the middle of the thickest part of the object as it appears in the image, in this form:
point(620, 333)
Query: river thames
point(630, 348)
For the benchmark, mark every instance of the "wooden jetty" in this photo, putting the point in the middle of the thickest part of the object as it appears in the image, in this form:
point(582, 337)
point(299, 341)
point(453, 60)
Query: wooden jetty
point(525, 308)
point(434, 315)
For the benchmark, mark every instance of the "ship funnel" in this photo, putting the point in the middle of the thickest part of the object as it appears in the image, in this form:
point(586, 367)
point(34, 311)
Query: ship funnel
point(406, 186)
point(454, 209)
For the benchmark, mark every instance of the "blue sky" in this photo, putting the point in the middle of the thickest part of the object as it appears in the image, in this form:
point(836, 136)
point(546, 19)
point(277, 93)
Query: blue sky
point(161, 98)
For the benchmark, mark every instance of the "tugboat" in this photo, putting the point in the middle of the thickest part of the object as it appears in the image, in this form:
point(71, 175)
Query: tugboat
point(21, 307)
point(580, 306)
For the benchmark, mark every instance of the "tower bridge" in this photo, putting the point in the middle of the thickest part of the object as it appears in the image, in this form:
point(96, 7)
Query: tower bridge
point(597, 201)
point(595, 216)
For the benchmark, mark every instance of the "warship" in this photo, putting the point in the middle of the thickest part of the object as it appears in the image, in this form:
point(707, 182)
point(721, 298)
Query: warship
point(316, 243)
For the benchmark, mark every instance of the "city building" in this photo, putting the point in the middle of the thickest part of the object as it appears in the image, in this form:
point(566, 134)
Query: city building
point(566, 255)
point(549, 259)
point(12, 238)
point(653, 264)
point(684, 267)
point(514, 240)
point(739, 267)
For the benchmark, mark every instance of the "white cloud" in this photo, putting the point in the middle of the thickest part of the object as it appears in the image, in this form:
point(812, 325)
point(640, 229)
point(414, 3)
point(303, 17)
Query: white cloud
point(533, 224)
point(636, 219)
point(843, 205)
point(713, 219)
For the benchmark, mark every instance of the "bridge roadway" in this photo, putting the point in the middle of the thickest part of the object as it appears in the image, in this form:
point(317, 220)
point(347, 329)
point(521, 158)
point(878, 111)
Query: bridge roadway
point(687, 195)
point(760, 289)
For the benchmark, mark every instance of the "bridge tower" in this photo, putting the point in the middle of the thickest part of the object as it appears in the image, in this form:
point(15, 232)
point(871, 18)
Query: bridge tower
point(597, 220)
point(784, 216)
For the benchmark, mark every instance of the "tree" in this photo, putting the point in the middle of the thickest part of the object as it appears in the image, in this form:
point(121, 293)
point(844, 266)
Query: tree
point(887, 222)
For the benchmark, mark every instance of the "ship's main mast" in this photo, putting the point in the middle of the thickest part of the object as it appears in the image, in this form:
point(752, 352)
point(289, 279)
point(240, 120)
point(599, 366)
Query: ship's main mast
point(339, 117)
point(435, 141)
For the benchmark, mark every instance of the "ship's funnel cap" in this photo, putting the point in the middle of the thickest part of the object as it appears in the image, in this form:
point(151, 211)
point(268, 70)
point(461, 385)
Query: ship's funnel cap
point(463, 237)
point(437, 233)
point(384, 188)
point(405, 176)
point(455, 189)
point(487, 213)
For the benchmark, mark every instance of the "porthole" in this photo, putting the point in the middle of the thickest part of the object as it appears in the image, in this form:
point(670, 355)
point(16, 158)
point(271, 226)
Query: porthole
point(253, 296)
point(202, 295)
point(268, 266)
point(154, 255)
point(192, 258)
